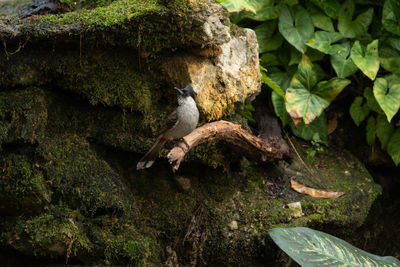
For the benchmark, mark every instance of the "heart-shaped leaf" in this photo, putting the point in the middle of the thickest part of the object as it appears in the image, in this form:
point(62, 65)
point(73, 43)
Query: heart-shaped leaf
point(371, 101)
point(391, 16)
point(342, 63)
point(266, 41)
point(323, 41)
point(359, 112)
point(352, 28)
point(391, 64)
point(296, 26)
point(328, 90)
point(368, 61)
point(384, 130)
point(330, 7)
point(388, 96)
point(393, 147)
point(309, 247)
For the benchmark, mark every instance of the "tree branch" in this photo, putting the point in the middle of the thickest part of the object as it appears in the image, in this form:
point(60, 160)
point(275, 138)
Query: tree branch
point(252, 146)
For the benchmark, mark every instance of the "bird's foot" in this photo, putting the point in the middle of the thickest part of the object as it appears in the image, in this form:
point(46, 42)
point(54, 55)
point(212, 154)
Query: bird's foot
point(185, 150)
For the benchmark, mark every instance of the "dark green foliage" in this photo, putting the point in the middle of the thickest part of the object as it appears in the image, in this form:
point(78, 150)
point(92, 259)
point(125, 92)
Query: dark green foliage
point(350, 36)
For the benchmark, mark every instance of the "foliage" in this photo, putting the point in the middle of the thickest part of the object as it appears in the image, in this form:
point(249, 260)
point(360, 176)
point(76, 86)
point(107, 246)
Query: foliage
point(309, 247)
point(315, 49)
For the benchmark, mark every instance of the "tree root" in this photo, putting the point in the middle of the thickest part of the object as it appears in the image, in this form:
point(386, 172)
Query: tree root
point(252, 146)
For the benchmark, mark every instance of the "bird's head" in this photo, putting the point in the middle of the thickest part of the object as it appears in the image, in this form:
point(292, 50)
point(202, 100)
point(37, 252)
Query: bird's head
point(187, 91)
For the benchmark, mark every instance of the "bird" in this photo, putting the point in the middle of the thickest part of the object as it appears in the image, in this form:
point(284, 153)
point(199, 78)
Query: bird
point(178, 124)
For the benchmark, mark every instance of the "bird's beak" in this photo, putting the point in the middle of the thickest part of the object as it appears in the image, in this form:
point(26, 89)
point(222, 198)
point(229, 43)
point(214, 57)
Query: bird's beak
point(179, 90)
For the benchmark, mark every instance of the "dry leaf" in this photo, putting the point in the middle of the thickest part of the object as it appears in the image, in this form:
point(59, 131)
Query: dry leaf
point(332, 125)
point(296, 208)
point(317, 193)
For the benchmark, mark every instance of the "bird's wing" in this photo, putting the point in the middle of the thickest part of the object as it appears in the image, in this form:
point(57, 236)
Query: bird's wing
point(169, 123)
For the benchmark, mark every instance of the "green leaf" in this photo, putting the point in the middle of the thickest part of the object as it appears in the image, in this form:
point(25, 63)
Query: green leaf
point(371, 101)
point(367, 62)
point(296, 26)
point(371, 130)
point(352, 28)
point(266, 41)
point(312, 54)
point(270, 59)
point(279, 107)
point(328, 90)
point(315, 131)
point(319, 19)
point(388, 96)
point(342, 63)
point(281, 78)
point(391, 16)
point(359, 112)
point(393, 147)
point(323, 41)
point(273, 85)
point(314, 248)
point(301, 104)
point(238, 5)
point(305, 99)
point(391, 64)
point(330, 7)
point(384, 130)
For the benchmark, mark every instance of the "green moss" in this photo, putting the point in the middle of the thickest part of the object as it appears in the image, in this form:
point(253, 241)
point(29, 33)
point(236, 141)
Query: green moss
point(22, 187)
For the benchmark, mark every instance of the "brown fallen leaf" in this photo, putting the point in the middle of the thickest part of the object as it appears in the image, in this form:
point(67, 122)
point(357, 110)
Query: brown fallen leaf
point(317, 193)
point(332, 125)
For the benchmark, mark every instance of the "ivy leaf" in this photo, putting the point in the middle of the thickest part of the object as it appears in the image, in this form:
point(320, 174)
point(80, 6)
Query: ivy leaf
point(266, 41)
point(330, 7)
point(342, 63)
point(388, 96)
point(296, 26)
point(393, 147)
point(323, 41)
point(359, 112)
point(391, 16)
point(352, 28)
point(367, 62)
point(384, 130)
point(371, 130)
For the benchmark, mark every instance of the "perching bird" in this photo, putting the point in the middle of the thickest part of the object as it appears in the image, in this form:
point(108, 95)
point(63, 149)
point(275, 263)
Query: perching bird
point(179, 123)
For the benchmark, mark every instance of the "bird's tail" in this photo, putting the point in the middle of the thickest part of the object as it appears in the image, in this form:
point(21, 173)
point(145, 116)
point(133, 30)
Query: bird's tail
point(151, 155)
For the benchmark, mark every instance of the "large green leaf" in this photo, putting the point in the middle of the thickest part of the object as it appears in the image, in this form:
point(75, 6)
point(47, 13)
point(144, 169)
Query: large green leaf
point(266, 41)
point(330, 7)
point(352, 28)
point(309, 247)
point(342, 63)
point(296, 26)
point(391, 16)
point(305, 99)
point(371, 101)
point(358, 111)
point(368, 61)
point(393, 147)
point(388, 96)
point(323, 41)
point(315, 131)
point(384, 130)
point(391, 64)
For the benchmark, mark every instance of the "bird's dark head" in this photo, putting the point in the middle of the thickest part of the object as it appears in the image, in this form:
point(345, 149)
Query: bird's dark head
point(187, 91)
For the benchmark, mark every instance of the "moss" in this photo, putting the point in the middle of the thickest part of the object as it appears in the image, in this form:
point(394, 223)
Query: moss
point(22, 187)
point(23, 115)
point(55, 233)
point(86, 182)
